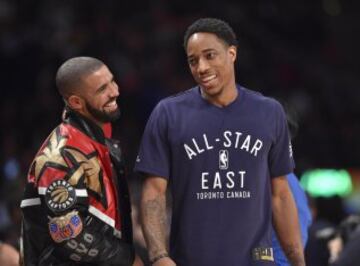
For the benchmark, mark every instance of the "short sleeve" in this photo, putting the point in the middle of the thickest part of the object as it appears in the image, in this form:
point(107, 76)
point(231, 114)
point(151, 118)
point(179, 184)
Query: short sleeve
point(281, 156)
point(154, 152)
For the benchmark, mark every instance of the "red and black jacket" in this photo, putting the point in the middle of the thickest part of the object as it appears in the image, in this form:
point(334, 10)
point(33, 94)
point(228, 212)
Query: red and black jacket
point(77, 173)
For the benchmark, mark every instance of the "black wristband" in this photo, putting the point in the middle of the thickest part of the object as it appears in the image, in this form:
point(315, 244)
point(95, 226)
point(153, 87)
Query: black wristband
point(158, 257)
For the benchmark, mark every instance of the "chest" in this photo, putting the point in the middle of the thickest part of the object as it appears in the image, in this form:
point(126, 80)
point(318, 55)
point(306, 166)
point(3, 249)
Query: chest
point(194, 134)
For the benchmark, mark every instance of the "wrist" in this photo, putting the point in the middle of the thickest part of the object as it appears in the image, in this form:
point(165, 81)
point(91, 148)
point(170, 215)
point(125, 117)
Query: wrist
point(159, 257)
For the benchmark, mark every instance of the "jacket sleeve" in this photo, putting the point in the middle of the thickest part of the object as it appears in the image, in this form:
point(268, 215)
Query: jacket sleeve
point(96, 244)
point(58, 226)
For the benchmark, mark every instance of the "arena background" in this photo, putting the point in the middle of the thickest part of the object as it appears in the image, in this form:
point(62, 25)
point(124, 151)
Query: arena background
point(304, 53)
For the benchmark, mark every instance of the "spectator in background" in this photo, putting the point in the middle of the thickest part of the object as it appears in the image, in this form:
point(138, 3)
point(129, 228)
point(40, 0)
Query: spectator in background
point(327, 214)
point(345, 247)
point(300, 198)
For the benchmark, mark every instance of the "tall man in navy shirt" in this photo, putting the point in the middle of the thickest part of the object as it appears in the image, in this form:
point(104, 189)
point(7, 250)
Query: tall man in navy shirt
point(224, 153)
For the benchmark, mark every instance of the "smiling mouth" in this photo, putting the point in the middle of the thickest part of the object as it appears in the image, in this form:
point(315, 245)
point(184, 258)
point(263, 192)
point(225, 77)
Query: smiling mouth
point(207, 79)
point(111, 105)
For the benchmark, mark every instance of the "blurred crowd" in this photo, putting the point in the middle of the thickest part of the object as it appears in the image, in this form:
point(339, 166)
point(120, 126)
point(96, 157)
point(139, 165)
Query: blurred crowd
point(304, 53)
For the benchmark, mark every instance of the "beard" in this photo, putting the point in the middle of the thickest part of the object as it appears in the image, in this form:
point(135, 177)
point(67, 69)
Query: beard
point(102, 116)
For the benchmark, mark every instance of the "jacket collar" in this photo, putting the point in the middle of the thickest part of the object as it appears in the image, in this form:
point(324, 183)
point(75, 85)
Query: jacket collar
point(84, 124)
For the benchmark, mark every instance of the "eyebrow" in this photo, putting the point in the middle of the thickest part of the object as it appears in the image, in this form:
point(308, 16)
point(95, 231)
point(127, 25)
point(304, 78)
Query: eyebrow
point(208, 50)
point(203, 51)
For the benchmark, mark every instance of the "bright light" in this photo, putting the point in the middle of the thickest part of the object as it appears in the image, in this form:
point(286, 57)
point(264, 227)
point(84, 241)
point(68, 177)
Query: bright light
point(327, 182)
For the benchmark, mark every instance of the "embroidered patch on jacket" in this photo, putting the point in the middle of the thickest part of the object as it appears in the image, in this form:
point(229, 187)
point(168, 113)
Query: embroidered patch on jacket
point(65, 227)
point(73, 162)
point(262, 253)
point(60, 196)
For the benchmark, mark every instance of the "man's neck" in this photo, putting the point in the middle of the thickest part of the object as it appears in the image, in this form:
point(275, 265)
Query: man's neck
point(90, 118)
point(86, 125)
point(226, 97)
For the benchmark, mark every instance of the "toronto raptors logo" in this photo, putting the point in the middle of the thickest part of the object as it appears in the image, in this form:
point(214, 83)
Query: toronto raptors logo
point(60, 195)
point(223, 159)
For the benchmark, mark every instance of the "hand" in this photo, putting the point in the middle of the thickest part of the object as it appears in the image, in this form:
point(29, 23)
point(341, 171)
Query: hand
point(166, 261)
point(138, 261)
point(335, 247)
point(9, 256)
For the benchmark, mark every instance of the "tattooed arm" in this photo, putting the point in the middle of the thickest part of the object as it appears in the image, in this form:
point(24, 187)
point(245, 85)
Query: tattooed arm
point(153, 218)
point(286, 222)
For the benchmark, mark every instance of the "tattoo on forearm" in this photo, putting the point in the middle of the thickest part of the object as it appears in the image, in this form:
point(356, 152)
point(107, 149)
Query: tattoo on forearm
point(154, 225)
point(295, 255)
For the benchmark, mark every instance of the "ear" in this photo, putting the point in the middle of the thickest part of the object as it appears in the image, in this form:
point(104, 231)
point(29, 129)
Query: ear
point(233, 52)
point(75, 102)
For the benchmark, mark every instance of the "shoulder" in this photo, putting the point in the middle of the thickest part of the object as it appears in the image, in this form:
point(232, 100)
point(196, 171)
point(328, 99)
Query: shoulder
point(170, 108)
point(76, 139)
point(173, 105)
point(258, 97)
point(63, 138)
point(65, 147)
point(265, 103)
point(177, 99)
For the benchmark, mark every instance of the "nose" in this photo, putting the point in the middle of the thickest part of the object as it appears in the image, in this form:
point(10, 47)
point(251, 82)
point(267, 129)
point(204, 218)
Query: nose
point(203, 66)
point(114, 90)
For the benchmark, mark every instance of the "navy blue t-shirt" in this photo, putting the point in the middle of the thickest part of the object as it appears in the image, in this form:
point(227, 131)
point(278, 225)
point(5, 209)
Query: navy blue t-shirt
point(219, 163)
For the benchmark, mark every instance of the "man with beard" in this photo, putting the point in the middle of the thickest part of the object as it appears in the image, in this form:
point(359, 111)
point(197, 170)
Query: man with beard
point(76, 208)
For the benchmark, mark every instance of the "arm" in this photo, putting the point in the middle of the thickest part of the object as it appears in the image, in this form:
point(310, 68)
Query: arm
point(9, 256)
point(153, 217)
point(64, 235)
point(137, 261)
point(73, 235)
point(285, 221)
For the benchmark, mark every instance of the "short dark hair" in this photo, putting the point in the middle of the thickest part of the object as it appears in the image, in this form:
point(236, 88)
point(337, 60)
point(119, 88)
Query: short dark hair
point(71, 71)
point(212, 25)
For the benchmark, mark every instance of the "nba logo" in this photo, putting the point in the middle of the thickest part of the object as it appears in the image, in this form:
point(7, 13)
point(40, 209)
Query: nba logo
point(223, 159)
